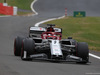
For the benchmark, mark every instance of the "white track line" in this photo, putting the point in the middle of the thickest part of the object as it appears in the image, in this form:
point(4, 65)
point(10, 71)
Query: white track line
point(37, 24)
point(95, 56)
point(33, 8)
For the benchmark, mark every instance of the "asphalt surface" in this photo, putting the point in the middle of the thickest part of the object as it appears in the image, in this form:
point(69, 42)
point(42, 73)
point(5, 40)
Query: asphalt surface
point(10, 27)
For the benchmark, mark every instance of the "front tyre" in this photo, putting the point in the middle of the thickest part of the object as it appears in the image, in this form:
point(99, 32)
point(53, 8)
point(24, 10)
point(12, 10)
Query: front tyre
point(83, 52)
point(17, 45)
point(28, 48)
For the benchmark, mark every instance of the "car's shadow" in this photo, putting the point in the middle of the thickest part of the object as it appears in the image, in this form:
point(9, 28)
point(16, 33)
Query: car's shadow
point(59, 62)
point(53, 62)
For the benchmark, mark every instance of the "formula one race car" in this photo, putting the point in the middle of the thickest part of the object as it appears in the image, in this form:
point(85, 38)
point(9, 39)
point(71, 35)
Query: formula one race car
point(46, 44)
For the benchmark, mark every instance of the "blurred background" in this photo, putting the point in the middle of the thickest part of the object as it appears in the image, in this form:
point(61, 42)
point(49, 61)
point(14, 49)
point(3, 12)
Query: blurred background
point(23, 5)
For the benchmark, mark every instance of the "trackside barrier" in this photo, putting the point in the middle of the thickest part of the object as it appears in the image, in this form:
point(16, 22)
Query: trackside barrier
point(14, 10)
point(1, 4)
point(7, 10)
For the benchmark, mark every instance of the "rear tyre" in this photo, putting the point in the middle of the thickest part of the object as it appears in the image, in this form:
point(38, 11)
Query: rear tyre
point(83, 52)
point(17, 46)
point(28, 48)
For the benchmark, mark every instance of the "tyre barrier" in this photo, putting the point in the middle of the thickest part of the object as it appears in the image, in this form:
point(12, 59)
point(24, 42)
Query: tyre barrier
point(7, 10)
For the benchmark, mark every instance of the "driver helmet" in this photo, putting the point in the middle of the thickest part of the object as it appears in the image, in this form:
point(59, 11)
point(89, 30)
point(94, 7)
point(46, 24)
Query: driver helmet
point(49, 34)
point(54, 35)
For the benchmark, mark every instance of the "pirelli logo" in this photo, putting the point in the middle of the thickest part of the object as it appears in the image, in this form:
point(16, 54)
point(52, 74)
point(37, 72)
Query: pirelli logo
point(79, 14)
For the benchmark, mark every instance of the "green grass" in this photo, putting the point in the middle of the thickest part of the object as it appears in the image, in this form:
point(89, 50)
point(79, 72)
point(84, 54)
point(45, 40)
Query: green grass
point(21, 4)
point(24, 13)
point(85, 29)
point(2, 15)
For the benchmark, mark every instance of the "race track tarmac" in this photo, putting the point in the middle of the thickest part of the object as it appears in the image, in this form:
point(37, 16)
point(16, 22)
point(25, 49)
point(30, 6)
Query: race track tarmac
point(13, 26)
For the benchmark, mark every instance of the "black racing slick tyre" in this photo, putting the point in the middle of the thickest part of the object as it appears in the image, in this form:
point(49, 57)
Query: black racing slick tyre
point(17, 45)
point(83, 52)
point(28, 48)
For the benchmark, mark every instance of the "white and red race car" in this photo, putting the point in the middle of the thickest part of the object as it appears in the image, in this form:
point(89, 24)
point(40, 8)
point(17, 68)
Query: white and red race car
point(46, 44)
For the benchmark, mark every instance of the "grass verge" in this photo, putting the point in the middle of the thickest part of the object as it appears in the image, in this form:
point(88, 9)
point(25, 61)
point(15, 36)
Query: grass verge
point(2, 15)
point(85, 29)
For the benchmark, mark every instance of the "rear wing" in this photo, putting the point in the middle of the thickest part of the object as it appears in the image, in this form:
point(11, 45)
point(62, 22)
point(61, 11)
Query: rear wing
point(36, 31)
point(59, 30)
